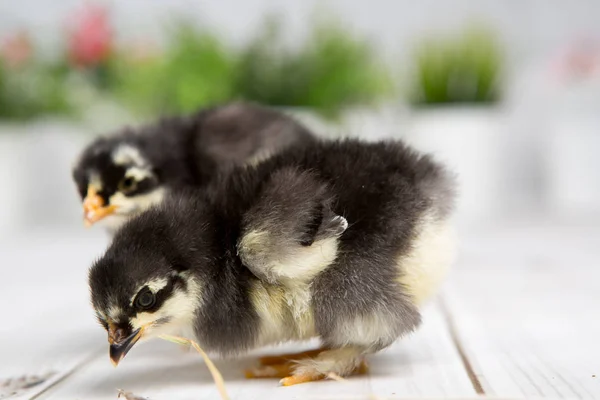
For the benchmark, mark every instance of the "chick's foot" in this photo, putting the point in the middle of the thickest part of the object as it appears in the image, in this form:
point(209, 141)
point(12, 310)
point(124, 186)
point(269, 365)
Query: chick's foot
point(270, 371)
point(306, 375)
point(311, 366)
point(285, 358)
point(334, 363)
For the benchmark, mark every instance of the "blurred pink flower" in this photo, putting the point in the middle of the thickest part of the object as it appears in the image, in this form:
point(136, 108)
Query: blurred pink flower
point(16, 50)
point(580, 60)
point(91, 38)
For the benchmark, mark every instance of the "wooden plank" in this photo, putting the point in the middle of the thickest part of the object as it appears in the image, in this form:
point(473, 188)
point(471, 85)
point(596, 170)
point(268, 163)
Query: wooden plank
point(47, 326)
point(425, 364)
point(524, 303)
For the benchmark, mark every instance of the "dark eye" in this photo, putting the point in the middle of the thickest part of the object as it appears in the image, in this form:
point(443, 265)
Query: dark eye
point(145, 300)
point(127, 184)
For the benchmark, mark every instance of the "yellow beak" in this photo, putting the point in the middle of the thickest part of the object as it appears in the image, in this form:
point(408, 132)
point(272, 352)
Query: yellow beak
point(94, 209)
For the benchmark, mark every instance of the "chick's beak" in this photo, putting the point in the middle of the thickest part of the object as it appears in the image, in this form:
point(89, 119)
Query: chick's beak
point(120, 344)
point(94, 209)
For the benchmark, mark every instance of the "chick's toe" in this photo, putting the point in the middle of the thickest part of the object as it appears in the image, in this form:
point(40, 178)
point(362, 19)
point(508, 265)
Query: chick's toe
point(328, 364)
point(300, 378)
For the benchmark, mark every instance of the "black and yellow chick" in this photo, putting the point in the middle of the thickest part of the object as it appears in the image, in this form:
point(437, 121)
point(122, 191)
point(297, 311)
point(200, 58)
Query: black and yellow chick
point(343, 241)
point(124, 174)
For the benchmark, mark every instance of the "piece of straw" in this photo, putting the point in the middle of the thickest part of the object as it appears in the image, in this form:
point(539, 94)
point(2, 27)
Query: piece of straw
point(217, 377)
point(128, 395)
point(335, 377)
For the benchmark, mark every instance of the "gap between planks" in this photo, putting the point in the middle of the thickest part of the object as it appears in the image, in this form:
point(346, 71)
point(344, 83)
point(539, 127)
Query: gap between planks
point(456, 340)
point(66, 375)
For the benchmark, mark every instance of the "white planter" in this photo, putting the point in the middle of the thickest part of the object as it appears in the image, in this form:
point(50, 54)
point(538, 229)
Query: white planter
point(13, 175)
point(35, 174)
point(572, 151)
point(573, 167)
point(466, 139)
point(311, 120)
point(370, 124)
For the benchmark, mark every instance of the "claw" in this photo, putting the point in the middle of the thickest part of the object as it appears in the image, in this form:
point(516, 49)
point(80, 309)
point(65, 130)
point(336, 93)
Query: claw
point(300, 378)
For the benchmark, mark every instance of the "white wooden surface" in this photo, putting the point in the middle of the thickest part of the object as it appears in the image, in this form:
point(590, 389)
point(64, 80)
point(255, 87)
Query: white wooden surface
point(526, 306)
point(519, 318)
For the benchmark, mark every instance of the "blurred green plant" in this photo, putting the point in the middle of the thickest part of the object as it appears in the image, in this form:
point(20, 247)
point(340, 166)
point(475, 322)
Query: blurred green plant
point(32, 90)
point(196, 70)
point(331, 71)
point(461, 69)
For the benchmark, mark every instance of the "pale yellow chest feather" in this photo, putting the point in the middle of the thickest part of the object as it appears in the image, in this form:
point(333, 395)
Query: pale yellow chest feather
point(424, 269)
point(285, 312)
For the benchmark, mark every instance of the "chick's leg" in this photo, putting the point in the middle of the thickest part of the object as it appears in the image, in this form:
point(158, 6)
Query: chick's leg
point(283, 358)
point(270, 371)
point(338, 362)
point(280, 366)
point(310, 366)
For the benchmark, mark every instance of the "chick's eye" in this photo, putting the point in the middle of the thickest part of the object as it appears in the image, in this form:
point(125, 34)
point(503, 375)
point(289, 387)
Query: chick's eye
point(145, 300)
point(127, 184)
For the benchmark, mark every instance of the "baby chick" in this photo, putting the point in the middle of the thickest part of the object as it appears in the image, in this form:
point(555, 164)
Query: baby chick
point(121, 175)
point(343, 241)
